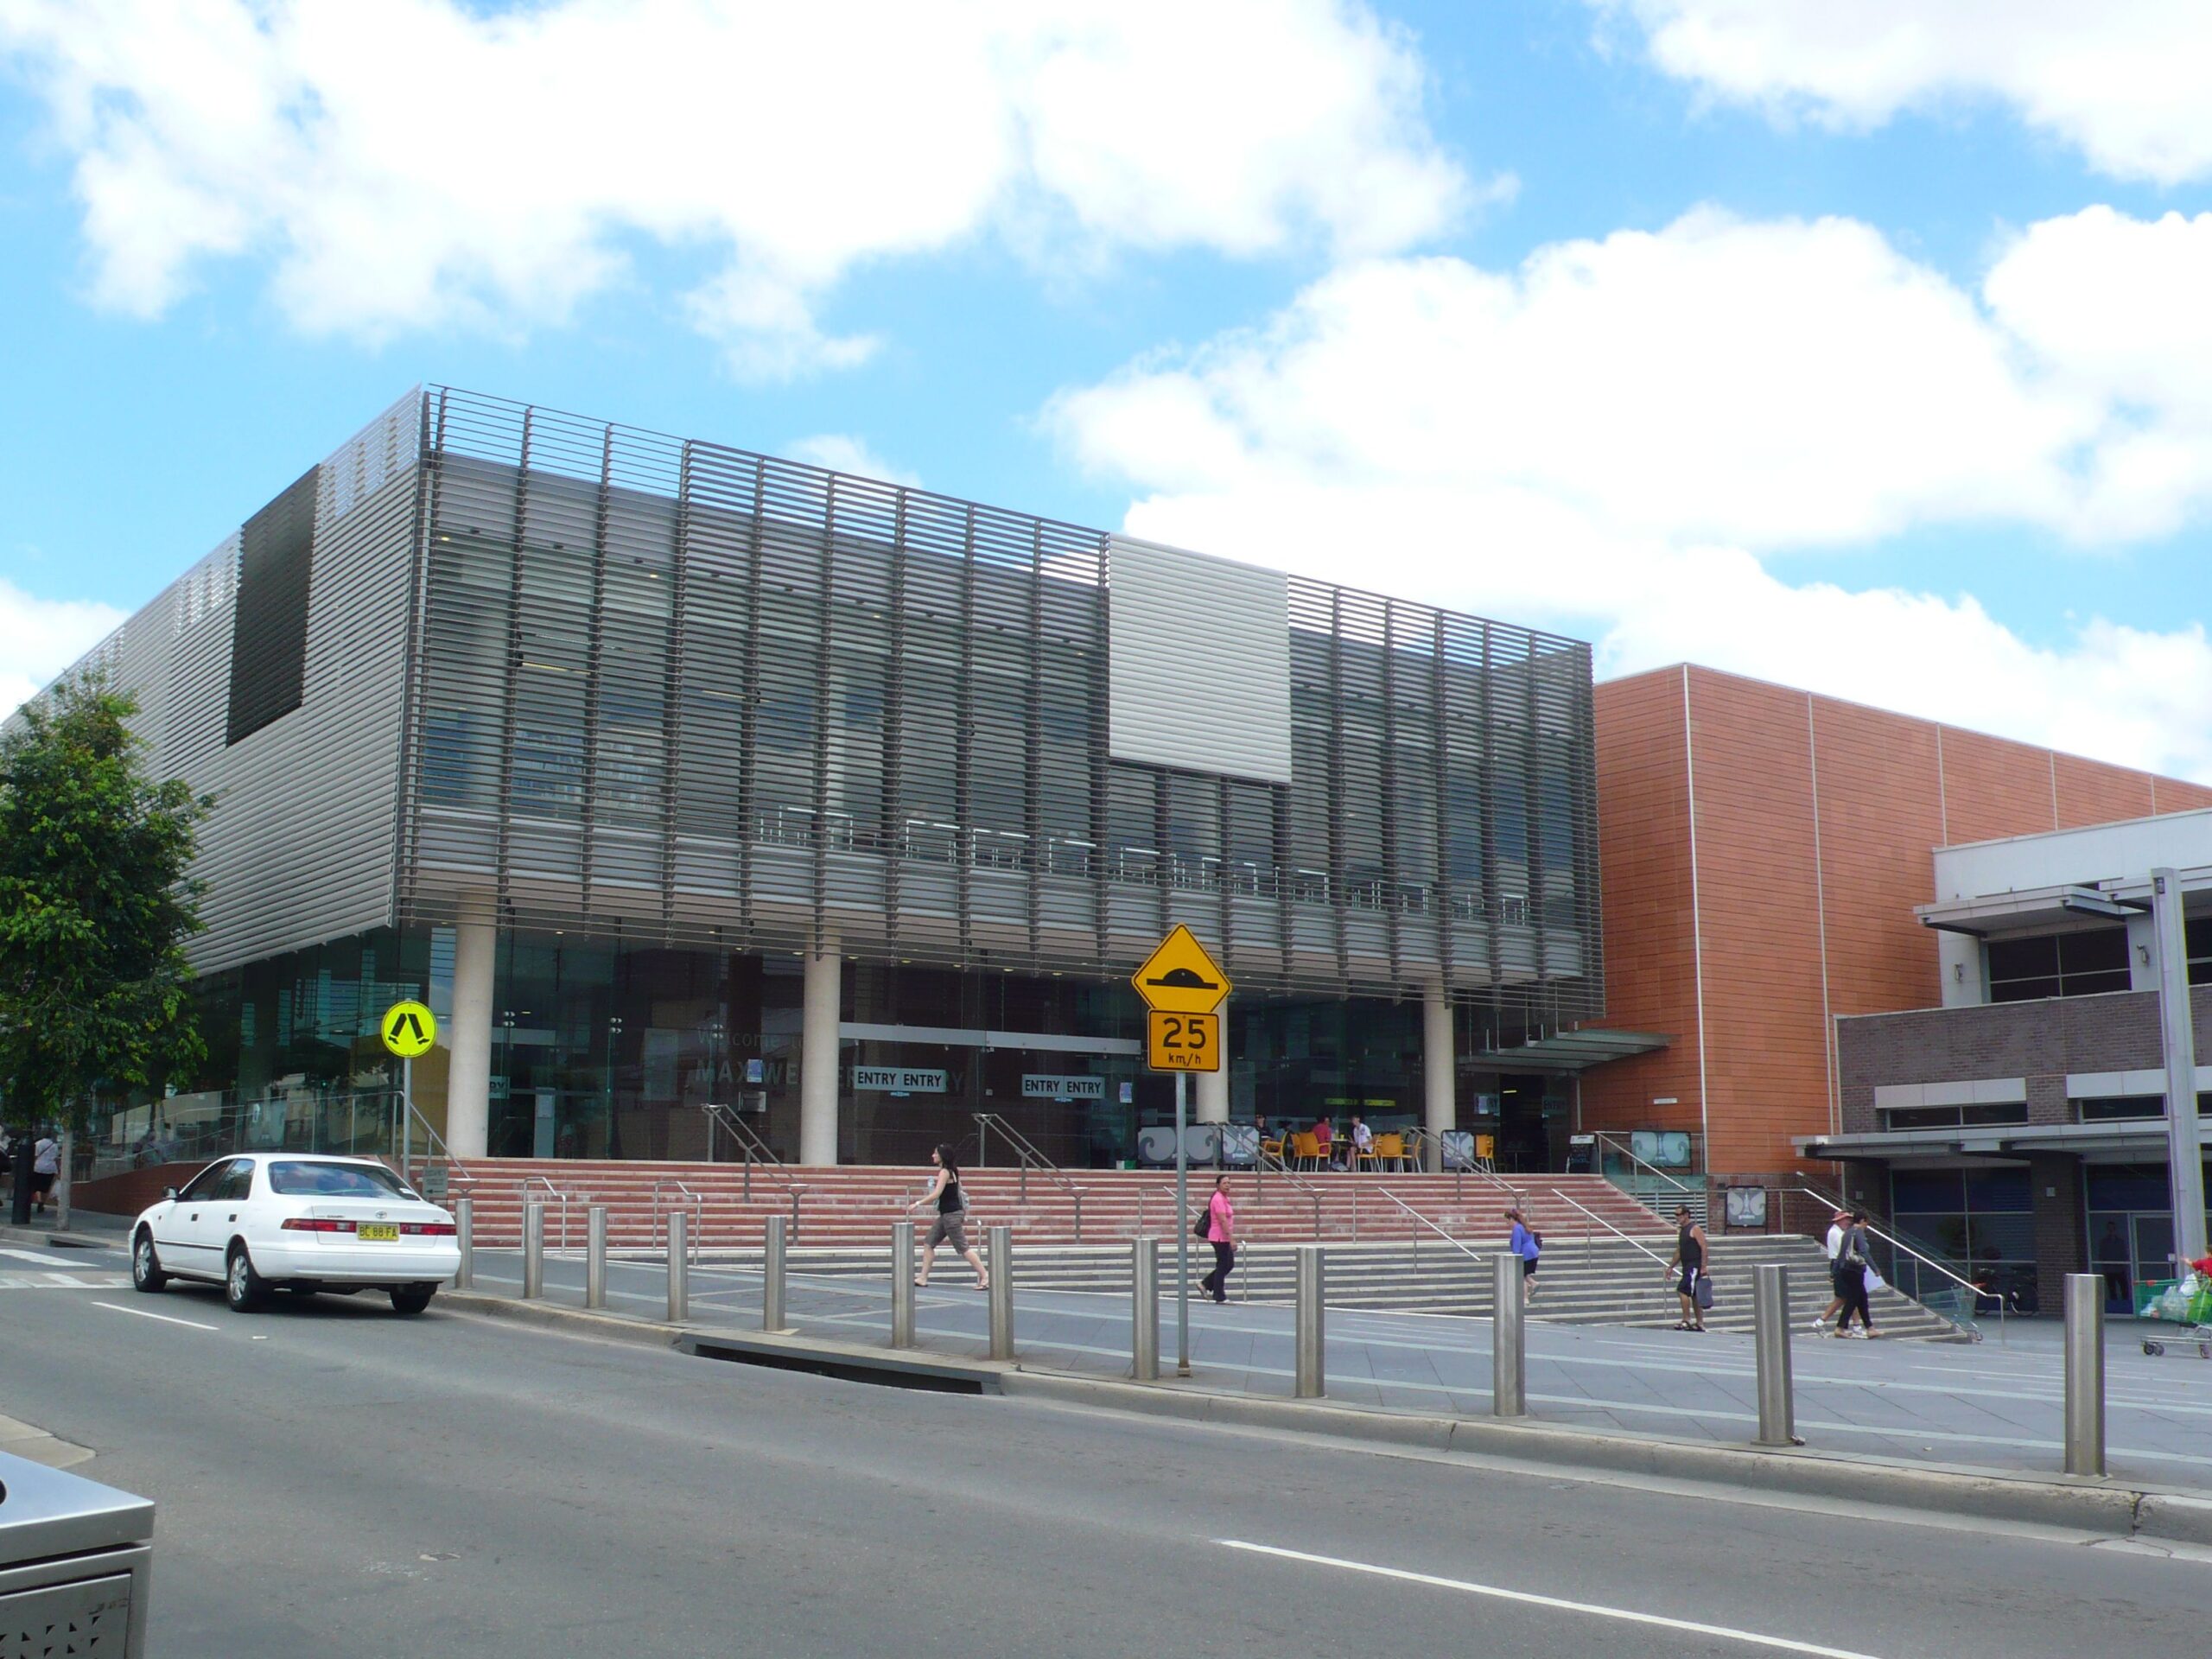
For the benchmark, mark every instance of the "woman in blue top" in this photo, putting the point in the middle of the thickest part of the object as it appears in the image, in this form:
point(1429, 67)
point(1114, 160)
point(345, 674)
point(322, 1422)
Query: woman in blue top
point(1527, 1244)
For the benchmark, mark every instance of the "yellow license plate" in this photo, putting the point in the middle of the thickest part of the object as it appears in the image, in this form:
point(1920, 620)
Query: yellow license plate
point(377, 1235)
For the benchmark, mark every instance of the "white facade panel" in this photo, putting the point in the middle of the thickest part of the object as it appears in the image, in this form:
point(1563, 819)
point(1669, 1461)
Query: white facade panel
point(2104, 852)
point(1198, 662)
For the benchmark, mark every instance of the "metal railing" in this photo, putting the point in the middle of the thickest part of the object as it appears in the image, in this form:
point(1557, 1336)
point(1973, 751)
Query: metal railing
point(1590, 1215)
point(1956, 1299)
point(1473, 1256)
point(1027, 1157)
point(720, 1120)
point(558, 1196)
point(1657, 1180)
point(694, 1202)
point(1264, 1160)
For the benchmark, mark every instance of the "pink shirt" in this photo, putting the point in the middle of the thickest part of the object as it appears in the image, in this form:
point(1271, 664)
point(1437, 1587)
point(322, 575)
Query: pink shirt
point(1221, 1219)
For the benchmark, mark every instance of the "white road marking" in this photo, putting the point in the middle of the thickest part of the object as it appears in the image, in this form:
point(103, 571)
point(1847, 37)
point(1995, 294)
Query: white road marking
point(61, 1282)
point(117, 1308)
point(44, 1258)
point(1596, 1610)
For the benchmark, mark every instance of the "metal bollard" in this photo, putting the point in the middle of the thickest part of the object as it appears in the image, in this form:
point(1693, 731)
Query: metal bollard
point(1508, 1353)
point(679, 1267)
point(464, 1235)
point(1313, 1380)
point(1144, 1309)
point(998, 1259)
point(1770, 1346)
point(902, 1284)
point(2085, 1374)
point(533, 1251)
point(772, 1277)
point(595, 1256)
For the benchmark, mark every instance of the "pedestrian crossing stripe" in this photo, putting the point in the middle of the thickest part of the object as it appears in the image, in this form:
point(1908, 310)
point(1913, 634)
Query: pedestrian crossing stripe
point(62, 1282)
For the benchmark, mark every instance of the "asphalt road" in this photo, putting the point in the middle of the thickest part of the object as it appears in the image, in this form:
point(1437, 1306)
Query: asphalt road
point(335, 1481)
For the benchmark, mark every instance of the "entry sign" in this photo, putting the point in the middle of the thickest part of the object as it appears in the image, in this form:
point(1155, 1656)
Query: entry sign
point(1180, 977)
point(1182, 986)
point(409, 1029)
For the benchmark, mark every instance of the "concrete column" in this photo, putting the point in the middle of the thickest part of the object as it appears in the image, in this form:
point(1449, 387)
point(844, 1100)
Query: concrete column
point(817, 1056)
point(1438, 1066)
point(469, 1081)
point(2062, 1244)
point(1212, 1102)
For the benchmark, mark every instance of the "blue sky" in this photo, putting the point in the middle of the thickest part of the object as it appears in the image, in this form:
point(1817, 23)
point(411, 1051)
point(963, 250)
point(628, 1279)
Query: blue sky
point(1871, 361)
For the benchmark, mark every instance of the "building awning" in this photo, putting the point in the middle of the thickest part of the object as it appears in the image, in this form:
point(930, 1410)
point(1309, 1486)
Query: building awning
point(1571, 1051)
point(2034, 907)
point(2143, 1138)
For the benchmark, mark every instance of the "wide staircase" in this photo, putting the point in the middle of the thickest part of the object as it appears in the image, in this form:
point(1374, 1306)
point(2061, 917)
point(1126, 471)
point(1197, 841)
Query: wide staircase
point(848, 1206)
point(1405, 1243)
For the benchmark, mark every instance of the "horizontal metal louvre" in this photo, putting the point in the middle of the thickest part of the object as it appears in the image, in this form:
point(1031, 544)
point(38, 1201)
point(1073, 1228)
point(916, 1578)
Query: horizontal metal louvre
point(688, 693)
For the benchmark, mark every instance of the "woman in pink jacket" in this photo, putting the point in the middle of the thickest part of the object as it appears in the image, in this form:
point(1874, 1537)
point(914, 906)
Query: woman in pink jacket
point(1221, 1233)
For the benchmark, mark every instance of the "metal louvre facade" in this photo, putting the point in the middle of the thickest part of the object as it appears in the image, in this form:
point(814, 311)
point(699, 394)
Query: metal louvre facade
point(688, 695)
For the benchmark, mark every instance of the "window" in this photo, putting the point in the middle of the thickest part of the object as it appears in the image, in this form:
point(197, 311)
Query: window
point(237, 1184)
point(1952, 1117)
point(2198, 947)
point(297, 1179)
point(2104, 1109)
point(203, 1184)
point(2084, 964)
point(268, 628)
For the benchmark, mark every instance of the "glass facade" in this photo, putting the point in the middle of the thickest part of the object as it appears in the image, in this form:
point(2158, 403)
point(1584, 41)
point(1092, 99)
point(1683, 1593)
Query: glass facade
point(673, 694)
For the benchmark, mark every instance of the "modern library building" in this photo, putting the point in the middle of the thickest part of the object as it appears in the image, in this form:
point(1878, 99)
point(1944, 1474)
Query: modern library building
point(673, 775)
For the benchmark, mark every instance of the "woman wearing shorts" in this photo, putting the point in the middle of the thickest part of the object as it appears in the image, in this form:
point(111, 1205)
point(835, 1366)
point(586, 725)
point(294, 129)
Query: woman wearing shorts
point(951, 1226)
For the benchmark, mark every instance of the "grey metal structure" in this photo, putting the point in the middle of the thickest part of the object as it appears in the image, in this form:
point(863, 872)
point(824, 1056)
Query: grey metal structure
point(1509, 1349)
point(679, 1267)
point(998, 1253)
point(772, 1276)
point(464, 1227)
point(688, 693)
point(1310, 1318)
point(1144, 1309)
point(595, 1256)
point(1771, 1349)
point(493, 659)
point(902, 1284)
point(533, 1249)
point(76, 1564)
point(2085, 1374)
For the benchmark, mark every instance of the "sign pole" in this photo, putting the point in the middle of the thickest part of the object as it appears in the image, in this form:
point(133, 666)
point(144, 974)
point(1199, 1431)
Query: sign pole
point(406, 1116)
point(1182, 1233)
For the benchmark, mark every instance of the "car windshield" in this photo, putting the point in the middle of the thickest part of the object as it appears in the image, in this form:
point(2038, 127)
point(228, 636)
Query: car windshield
point(300, 1180)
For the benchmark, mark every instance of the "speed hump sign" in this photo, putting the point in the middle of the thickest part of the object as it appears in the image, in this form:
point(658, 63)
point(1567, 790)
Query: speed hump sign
point(1182, 985)
point(409, 1028)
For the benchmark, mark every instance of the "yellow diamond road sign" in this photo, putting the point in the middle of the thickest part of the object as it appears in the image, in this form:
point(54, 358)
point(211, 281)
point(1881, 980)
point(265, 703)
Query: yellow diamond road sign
point(409, 1028)
point(1180, 977)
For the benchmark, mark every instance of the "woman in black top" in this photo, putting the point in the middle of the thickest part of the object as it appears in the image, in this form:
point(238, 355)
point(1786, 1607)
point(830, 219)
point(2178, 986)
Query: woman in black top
point(1852, 1258)
point(951, 1224)
point(1689, 1256)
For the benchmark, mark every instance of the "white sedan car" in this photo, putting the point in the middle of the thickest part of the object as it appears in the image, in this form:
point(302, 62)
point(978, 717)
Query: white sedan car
point(298, 1221)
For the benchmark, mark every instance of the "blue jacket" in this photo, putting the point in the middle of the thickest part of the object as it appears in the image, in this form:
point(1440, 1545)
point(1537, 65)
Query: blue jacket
point(1523, 1242)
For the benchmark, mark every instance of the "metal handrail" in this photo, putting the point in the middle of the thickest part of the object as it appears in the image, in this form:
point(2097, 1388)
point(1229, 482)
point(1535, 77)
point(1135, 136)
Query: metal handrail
point(1027, 1156)
point(1263, 1162)
point(522, 1187)
point(1433, 1227)
point(1592, 1214)
point(697, 1205)
point(1604, 1138)
point(749, 1141)
point(1975, 1293)
point(1480, 1168)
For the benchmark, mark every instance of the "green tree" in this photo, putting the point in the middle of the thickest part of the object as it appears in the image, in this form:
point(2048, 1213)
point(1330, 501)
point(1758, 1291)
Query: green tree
point(96, 904)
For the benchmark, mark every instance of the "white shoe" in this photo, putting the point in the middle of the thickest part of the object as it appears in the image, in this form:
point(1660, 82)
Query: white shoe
point(1820, 1327)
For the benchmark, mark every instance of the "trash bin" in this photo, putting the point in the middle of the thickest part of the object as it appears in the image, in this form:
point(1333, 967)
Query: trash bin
point(76, 1563)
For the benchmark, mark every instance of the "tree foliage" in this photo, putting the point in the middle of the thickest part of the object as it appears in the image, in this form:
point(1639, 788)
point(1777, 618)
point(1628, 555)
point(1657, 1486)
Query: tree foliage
point(96, 904)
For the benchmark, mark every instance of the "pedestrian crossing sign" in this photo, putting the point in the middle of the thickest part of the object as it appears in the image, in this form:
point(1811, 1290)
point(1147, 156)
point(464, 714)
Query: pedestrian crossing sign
point(409, 1028)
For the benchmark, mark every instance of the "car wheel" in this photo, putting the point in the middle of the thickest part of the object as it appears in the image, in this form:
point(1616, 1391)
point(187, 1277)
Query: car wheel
point(146, 1273)
point(245, 1289)
point(410, 1300)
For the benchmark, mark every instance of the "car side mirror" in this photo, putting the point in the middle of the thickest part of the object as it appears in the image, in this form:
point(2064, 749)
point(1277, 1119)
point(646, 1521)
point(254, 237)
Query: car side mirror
point(169, 1194)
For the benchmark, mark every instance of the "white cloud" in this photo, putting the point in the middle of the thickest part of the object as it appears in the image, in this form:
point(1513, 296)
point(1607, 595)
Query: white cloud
point(1613, 436)
point(2128, 83)
point(419, 162)
point(39, 638)
point(841, 452)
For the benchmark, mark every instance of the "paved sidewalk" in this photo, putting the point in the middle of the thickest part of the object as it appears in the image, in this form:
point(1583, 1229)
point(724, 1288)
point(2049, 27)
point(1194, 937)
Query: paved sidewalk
point(1996, 1406)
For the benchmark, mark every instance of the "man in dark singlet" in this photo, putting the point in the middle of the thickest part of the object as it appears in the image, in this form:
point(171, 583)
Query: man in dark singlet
point(1690, 1258)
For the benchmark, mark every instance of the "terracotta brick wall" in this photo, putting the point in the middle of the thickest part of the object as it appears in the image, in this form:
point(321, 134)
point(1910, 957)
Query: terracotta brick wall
point(1644, 851)
point(1816, 824)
